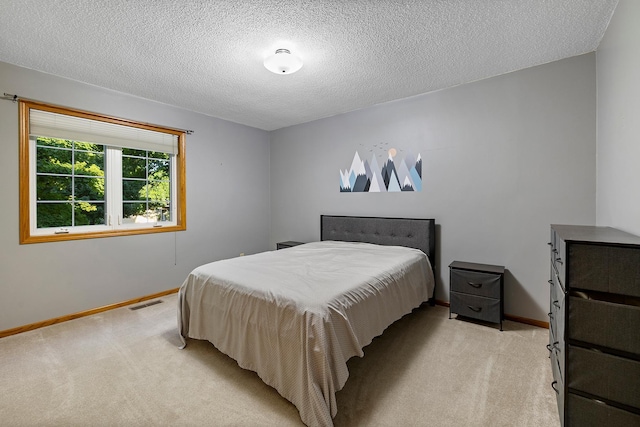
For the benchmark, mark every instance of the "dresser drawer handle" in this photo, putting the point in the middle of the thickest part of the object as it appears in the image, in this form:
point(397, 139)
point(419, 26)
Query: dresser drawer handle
point(549, 243)
point(553, 386)
point(476, 309)
point(556, 303)
point(550, 282)
point(475, 285)
point(550, 315)
point(559, 260)
point(549, 347)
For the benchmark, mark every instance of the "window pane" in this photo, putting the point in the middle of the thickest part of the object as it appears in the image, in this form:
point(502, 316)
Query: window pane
point(53, 215)
point(53, 160)
point(53, 187)
point(88, 188)
point(89, 146)
point(134, 190)
point(159, 169)
point(159, 155)
point(132, 152)
point(133, 167)
point(89, 213)
point(89, 163)
point(154, 187)
point(134, 212)
point(160, 211)
point(159, 191)
point(54, 142)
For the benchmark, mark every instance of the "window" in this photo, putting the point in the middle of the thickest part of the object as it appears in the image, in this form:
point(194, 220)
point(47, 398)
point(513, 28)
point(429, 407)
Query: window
point(84, 175)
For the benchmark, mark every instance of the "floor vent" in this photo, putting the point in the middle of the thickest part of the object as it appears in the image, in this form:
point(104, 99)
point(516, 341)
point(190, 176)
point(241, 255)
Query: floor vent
point(148, 304)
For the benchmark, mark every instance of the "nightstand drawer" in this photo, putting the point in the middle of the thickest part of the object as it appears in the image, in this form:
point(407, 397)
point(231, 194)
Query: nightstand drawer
point(475, 283)
point(477, 307)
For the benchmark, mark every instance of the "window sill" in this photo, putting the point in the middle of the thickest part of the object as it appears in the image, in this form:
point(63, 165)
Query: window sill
point(44, 238)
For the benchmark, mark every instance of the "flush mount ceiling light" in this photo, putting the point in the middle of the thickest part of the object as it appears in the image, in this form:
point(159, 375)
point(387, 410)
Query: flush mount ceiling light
point(283, 62)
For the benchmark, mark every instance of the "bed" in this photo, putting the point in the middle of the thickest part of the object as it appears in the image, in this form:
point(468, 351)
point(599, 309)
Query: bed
point(296, 315)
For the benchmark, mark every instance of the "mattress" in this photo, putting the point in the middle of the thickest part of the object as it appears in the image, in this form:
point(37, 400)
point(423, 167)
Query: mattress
point(296, 315)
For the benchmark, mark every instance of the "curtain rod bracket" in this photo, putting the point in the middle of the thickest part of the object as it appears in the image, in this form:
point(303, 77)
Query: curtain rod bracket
point(10, 97)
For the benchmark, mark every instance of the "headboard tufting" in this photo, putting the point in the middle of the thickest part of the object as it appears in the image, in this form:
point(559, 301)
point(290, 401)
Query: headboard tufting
point(410, 232)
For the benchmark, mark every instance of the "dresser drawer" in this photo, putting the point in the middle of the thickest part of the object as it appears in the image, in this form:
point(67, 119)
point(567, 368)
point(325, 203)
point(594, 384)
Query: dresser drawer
point(605, 269)
point(604, 375)
point(583, 412)
point(475, 283)
point(476, 307)
point(611, 325)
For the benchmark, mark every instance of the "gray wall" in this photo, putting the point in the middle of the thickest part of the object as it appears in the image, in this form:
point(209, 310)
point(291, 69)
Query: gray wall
point(618, 64)
point(227, 210)
point(502, 159)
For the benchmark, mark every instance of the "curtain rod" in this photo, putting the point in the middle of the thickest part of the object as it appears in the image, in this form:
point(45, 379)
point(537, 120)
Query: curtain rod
point(15, 98)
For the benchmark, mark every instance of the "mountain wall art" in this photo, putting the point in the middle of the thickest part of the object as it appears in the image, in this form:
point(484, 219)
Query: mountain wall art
point(374, 176)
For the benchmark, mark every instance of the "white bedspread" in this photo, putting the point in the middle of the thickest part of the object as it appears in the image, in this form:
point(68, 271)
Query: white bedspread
point(295, 316)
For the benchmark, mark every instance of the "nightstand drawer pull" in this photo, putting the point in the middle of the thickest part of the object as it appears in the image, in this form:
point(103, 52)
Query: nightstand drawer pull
point(553, 386)
point(559, 260)
point(476, 309)
point(550, 282)
point(556, 303)
point(475, 285)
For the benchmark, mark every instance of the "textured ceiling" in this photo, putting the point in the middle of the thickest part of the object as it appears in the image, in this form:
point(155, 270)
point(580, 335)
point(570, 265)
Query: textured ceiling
point(206, 55)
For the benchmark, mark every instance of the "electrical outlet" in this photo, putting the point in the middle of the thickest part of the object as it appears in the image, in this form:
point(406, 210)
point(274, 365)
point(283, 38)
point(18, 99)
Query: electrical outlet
point(241, 253)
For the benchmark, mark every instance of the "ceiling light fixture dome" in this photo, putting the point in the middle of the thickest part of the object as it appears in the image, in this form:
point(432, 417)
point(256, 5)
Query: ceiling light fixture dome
point(283, 62)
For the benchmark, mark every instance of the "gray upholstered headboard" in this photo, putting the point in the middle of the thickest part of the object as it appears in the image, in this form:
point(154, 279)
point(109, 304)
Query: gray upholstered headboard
point(410, 232)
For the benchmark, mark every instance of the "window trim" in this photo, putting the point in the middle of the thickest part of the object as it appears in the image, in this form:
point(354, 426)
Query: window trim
point(24, 176)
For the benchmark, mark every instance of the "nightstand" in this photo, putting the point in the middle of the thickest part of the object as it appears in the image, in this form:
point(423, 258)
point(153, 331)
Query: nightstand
point(477, 291)
point(287, 244)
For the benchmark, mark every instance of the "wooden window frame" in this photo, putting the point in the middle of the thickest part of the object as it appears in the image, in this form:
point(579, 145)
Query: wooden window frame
point(25, 176)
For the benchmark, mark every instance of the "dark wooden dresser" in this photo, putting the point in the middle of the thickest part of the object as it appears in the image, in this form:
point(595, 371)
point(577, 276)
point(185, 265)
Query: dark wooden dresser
point(594, 327)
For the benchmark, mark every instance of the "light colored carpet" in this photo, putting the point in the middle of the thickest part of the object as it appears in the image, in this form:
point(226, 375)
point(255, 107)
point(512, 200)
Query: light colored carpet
point(124, 368)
